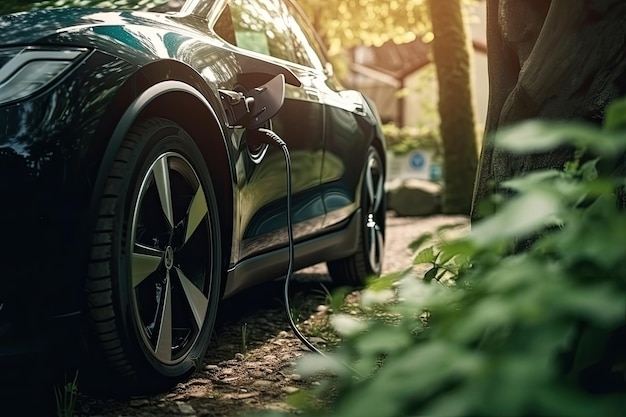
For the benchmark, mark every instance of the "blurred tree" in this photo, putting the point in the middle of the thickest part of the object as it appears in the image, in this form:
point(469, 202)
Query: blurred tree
point(548, 59)
point(458, 133)
point(346, 23)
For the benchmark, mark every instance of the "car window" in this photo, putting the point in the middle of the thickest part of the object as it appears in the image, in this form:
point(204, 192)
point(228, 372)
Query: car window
point(257, 25)
point(270, 27)
point(307, 46)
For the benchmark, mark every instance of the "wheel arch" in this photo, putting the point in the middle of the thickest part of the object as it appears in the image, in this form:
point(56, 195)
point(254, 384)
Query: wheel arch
point(186, 106)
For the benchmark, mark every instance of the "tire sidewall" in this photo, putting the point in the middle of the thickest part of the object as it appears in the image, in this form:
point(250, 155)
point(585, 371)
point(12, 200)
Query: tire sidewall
point(380, 215)
point(154, 141)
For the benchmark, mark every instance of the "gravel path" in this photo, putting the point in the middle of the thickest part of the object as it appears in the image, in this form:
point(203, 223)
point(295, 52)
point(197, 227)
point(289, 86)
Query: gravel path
point(249, 364)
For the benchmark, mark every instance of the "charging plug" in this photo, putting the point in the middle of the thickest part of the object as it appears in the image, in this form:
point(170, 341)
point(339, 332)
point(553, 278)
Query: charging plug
point(254, 107)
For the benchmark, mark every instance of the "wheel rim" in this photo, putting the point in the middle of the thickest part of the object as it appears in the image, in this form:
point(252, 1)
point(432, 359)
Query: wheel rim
point(170, 258)
point(375, 212)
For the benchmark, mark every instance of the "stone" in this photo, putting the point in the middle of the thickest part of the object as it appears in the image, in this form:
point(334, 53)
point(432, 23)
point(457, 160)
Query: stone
point(414, 197)
point(290, 389)
point(185, 409)
point(262, 384)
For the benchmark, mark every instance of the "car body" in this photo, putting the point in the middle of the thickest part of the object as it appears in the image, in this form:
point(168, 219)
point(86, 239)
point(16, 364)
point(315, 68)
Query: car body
point(132, 204)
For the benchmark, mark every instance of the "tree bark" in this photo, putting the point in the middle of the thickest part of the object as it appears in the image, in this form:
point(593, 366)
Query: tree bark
point(558, 59)
point(458, 132)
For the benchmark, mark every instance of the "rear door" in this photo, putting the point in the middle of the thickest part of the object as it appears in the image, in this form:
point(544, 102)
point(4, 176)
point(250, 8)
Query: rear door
point(347, 131)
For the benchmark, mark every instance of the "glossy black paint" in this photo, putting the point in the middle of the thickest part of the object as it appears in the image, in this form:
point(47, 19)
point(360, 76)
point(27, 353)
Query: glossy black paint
point(57, 146)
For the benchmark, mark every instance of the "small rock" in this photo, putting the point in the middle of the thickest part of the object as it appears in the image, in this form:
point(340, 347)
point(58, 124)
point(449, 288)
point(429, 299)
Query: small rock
point(414, 197)
point(185, 409)
point(262, 384)
point(211, 368)
point(283, 334)
point(295, 377)
point(317, 340)
point(199, 381)
point(322, 308)
point(245, 395)
point(269, 358)
point(290, 390)
point(239, 356)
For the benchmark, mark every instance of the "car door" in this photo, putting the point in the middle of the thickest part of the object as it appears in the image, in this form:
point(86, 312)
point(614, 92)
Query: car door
point(260, 31)
point(347, 129)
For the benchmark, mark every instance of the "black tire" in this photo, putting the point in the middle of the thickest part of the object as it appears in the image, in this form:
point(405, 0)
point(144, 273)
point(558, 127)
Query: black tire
point(368, 260)
point(153, 283)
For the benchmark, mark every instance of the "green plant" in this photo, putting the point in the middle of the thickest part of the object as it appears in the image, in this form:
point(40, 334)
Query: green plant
point(402, 140)
point(66, 397)
point(538, 331)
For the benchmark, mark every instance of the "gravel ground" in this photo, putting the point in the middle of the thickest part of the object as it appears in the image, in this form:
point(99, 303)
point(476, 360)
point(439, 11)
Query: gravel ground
point(249, 364)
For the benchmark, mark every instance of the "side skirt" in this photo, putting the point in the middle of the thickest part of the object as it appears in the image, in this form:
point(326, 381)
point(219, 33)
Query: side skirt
point(328, 247)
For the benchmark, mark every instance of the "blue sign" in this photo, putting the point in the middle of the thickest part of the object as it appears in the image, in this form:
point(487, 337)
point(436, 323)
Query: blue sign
point(417, 160)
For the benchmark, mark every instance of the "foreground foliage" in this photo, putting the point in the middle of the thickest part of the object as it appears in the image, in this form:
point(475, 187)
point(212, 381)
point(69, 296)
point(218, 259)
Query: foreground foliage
point(538, 331)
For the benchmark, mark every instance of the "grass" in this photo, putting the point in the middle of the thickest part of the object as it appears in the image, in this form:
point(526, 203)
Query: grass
point(66, 397)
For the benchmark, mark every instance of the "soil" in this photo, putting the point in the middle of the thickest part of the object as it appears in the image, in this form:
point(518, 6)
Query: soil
point(249, 365)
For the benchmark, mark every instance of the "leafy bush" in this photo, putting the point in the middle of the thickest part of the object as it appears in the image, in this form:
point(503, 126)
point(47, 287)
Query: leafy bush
point(402, 140)
point(519, 333)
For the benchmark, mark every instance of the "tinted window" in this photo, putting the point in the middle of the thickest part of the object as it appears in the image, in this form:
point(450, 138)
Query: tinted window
point(308, 50)
point(259, 26)
point(270, 27)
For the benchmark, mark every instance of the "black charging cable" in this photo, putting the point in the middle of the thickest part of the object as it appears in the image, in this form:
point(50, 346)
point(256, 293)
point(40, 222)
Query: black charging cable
point(277, 140)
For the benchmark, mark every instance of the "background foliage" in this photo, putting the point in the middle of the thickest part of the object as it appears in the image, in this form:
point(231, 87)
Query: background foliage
point(534, 332)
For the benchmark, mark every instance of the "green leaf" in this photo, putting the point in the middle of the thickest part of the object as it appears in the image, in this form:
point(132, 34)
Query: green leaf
point(425, 256)
point(615, 115)
point(542, 136)
point(417, 243)
point(384, 339)
point(385, 282)
point(347, 325)
point(522, 216)
point(431, 274)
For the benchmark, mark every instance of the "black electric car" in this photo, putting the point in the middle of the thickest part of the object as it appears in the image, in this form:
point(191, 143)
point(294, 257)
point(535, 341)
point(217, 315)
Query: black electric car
point(137, 190)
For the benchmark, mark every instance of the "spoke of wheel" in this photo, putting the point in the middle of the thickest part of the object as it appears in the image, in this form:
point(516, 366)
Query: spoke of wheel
point(163, 348)
point(374, 191)
point(197, 210)
point(162, 178)
point(376, 246)
point(144, 261)
point(197, 301)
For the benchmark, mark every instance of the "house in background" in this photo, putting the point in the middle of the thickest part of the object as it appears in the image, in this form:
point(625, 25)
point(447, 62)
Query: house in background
point(401, 78)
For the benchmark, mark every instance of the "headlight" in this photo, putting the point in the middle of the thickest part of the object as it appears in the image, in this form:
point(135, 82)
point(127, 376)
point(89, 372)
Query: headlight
point(25, 71)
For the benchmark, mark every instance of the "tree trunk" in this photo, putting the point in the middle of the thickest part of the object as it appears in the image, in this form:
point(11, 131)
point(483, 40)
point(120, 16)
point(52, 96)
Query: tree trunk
point(554, 59)
point(458, 133)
